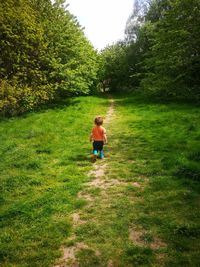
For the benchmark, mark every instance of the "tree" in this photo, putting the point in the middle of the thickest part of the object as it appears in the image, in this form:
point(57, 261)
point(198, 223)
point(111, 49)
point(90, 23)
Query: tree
point(44, 54)
point(113, 67)
point(173, 62)
point(136, 20)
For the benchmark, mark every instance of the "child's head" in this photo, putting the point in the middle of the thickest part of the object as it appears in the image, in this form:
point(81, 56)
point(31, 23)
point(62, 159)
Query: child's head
point(98, 121)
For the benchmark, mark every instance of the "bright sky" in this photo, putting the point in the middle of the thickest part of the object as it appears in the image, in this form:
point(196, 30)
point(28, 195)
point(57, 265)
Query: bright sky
point(104, 20)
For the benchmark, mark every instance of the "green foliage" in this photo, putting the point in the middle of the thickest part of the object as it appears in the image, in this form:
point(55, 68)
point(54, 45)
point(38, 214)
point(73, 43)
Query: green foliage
point(44, 54)
point(72, 59)
point(160, 51)
point(21, 41)
point(113, 67)
point(16, 99)
point(173, 63)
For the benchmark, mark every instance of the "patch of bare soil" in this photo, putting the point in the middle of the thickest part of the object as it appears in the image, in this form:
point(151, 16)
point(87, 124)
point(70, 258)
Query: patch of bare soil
point(110, 263)
point(69, 255)
point(136, 184)
point(157, 244)
point(99, 171)
point(96, 183)
point(105, 184)
point(110, 112)
point(77, 219)
point(85, 196)
point(131, 161)
point(101, 182)
point(136, 235)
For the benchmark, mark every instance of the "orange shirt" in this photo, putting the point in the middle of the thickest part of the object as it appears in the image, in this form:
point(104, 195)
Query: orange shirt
point(98, 133)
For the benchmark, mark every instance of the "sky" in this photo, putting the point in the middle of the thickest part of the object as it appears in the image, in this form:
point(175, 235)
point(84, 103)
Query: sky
point(104, 20)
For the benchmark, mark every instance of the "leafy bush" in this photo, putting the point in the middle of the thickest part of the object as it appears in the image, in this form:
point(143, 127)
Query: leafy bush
point(44, 53)
point(16, 99)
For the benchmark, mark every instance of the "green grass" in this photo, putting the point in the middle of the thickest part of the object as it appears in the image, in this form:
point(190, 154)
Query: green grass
point(157, 146)
point(45, 157)
point(44, 163)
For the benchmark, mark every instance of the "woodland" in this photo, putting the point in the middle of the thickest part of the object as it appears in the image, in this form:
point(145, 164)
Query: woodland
point(46, 56)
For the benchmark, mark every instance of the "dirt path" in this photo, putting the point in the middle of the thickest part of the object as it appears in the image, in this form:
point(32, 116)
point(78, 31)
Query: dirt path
point(99, 181)
point(107, 198)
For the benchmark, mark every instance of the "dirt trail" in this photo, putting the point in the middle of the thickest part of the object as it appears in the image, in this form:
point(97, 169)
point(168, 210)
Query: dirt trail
point(99, 174)
point(105, 186)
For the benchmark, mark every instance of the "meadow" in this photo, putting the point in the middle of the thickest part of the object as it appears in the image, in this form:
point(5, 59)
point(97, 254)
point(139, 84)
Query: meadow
point(44, 160)
point(149, 217)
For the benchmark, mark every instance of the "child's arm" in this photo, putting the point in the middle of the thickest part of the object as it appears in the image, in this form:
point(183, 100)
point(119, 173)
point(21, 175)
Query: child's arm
point(105, 138)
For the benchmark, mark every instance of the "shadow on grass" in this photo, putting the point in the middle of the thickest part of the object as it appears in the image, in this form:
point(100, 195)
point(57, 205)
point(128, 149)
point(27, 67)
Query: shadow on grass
point(59, 103)
point(139, 99)
point(81, 158)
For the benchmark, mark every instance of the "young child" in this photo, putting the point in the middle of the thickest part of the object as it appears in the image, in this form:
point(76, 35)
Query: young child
point(99, 138)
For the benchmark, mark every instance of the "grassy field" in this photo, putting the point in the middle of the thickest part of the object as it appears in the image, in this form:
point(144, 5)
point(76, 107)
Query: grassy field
point(149, 217)
point(44, 160)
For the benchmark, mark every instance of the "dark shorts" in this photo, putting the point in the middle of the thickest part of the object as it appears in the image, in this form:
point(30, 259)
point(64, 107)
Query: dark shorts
point(98, 145)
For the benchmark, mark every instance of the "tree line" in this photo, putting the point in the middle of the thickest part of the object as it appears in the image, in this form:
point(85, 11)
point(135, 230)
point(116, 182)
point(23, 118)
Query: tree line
point(160, 54)
point(44, 54)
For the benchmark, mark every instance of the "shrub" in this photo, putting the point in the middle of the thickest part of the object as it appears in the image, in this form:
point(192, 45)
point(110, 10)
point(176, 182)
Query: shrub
point(16, 99)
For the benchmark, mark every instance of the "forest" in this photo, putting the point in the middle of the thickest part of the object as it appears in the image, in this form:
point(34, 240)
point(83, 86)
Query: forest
point(138, 205)
point(45, 54)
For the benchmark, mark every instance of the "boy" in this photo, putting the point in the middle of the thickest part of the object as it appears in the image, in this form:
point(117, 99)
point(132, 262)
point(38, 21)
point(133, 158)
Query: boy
point(99, 138)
